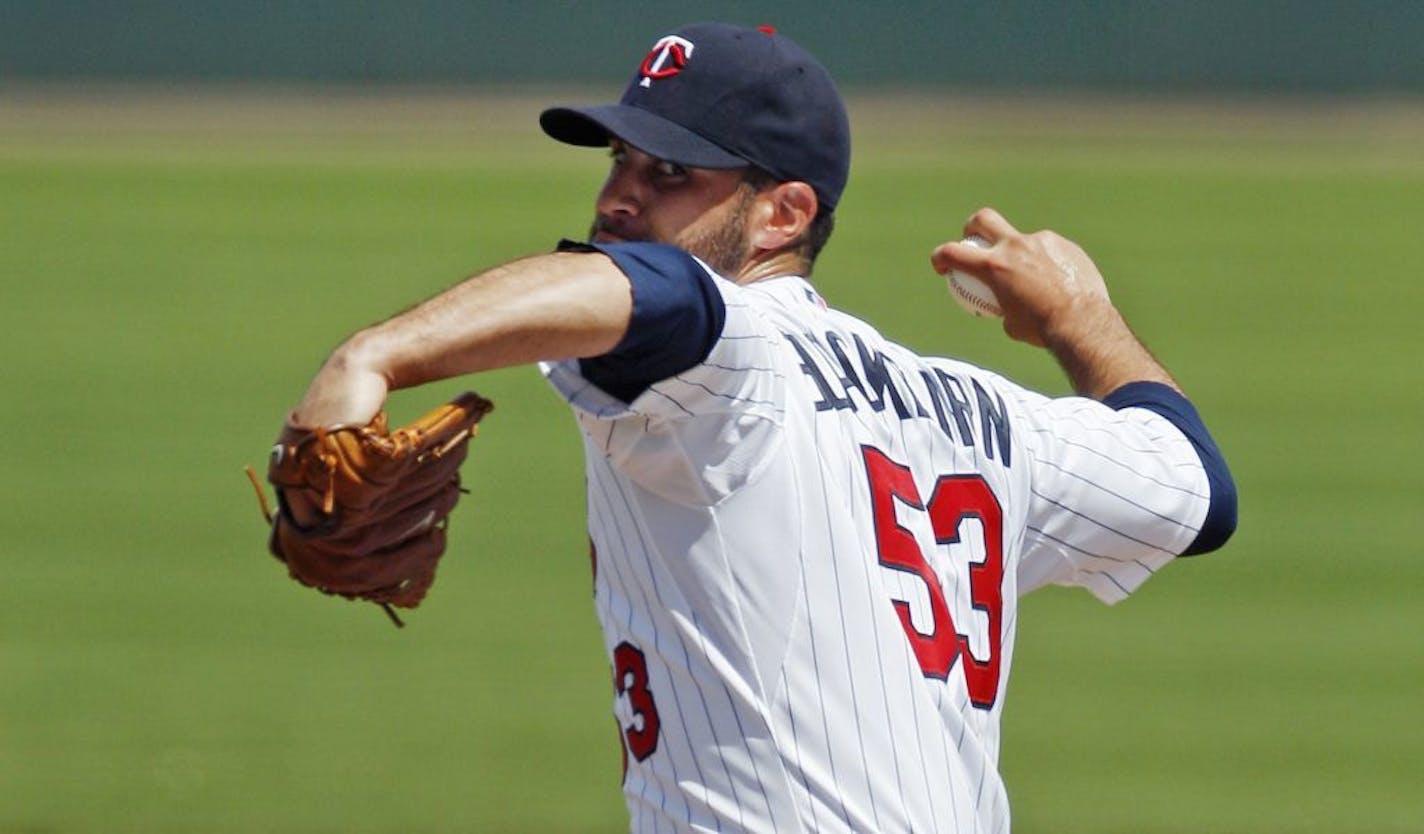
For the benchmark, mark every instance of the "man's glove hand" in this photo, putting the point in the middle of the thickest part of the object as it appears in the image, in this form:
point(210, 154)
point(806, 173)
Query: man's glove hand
point(362, 511)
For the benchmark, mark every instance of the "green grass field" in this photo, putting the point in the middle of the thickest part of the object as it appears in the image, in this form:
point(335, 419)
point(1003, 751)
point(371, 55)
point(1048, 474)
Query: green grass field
point(174, 268)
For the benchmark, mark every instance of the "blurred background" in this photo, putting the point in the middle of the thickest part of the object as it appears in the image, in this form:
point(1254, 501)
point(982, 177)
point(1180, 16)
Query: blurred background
point(199, 200)
point(1308, 46)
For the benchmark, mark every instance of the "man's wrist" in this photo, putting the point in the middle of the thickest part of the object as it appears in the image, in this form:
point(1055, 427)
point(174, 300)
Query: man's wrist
point(348, 390)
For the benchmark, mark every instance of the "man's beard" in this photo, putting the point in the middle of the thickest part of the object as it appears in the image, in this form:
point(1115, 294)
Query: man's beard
point(723, 247)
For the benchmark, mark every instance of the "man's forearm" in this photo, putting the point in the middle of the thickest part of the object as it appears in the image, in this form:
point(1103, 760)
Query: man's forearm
point(1100, 354)
point(546, 307)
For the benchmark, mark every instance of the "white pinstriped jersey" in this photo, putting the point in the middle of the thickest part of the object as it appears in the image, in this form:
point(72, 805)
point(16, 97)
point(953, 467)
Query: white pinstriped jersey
point(809, 550)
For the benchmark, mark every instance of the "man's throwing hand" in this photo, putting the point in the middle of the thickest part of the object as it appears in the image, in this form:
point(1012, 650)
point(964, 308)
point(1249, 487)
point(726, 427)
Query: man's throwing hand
point(1044, 282)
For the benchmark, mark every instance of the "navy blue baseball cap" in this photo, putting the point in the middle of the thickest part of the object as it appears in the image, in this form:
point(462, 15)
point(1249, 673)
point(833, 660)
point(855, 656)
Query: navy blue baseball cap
point(713, 95)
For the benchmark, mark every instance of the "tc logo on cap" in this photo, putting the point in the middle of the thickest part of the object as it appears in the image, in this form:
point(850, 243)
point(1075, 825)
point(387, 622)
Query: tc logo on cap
point(667, 58)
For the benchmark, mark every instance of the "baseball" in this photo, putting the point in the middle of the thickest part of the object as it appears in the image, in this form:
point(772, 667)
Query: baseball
point(971, 293)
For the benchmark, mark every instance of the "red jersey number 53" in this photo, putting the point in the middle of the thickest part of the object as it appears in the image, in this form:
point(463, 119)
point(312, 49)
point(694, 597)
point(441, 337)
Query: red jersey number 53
point(956, 498)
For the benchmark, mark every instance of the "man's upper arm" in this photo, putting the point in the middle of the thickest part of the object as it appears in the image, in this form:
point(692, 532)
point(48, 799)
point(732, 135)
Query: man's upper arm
point(677, 317)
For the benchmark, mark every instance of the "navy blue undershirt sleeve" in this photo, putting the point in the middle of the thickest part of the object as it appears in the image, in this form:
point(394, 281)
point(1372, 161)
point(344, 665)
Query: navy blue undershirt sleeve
point(1220, 520)
point(677, 318)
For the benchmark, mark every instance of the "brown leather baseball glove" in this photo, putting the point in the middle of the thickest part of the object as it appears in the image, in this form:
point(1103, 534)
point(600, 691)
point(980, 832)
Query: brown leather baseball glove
point(362, 511)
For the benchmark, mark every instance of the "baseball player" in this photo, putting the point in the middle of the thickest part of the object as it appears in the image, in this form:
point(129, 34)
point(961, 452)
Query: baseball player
point(809, 541)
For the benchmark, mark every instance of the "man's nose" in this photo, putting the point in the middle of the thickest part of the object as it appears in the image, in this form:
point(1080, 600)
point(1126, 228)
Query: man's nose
point(621, 194)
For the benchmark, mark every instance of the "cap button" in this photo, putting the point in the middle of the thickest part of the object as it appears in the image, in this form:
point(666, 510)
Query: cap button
point(766, 30)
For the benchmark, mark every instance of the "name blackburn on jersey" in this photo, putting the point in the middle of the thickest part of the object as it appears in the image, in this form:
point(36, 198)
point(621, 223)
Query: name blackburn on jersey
point(829, 365)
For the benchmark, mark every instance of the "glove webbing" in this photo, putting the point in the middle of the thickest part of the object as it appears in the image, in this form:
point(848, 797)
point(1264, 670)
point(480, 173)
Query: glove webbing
point(327, 504)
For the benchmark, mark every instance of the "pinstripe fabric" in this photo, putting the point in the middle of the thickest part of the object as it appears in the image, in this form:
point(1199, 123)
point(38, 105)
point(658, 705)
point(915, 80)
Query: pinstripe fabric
point(731, 512)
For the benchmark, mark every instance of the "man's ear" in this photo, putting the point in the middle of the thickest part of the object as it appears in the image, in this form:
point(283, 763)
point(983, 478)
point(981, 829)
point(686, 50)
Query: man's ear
point(781, 216)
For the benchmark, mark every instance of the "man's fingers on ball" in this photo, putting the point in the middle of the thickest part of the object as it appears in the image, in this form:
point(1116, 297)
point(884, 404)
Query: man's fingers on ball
point(940, 259)
point(958, 254)
point(989, 225)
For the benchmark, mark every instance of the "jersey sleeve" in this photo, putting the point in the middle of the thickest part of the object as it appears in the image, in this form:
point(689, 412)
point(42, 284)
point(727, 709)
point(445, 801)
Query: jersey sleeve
point(1115, 493)
point(690, 400)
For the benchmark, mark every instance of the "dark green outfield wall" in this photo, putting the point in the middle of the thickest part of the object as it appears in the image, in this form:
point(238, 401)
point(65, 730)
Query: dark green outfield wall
point(1288, 45)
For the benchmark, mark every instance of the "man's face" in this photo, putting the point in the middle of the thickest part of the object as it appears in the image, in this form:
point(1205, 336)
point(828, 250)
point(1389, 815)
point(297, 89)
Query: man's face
point(701, 210)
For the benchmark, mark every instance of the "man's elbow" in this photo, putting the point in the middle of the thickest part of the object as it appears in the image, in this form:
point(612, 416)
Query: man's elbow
point(1220, 521)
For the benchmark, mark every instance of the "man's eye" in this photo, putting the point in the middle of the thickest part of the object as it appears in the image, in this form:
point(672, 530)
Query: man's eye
point(670, 169)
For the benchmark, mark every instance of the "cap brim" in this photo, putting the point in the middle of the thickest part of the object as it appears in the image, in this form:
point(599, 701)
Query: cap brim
point(593, 126)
